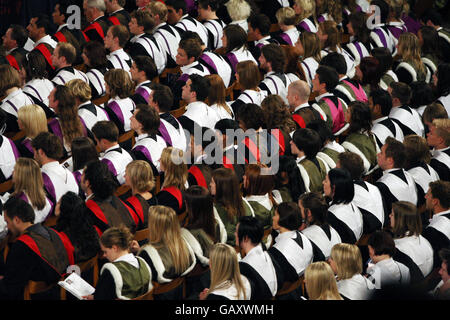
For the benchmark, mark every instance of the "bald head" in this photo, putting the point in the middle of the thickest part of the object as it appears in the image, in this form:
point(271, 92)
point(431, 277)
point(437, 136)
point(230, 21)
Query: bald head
point(298, 93)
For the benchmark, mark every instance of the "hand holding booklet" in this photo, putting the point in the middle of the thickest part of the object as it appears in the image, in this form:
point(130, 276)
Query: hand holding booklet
point(77, 286)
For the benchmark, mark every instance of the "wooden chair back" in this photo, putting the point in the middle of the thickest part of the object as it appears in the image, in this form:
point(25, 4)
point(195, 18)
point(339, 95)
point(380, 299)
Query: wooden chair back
point(141, 235)
point(127, 140)
point(101, 100)
point(35, 287)
point(6, 186)
point(120, 191)
point(91, 264)
point(160, 288)
point(288, 287)
point(146, 296)
point(178, 112)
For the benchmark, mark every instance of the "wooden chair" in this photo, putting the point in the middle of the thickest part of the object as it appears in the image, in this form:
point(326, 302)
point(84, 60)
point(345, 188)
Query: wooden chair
point(100, 101)
point(363, 240)
point(274, 27)
point(81, 67)
point(146, 296)
point(35, 287)
point(141, 234)
point(160, 288)
point(288, 287)
point(127, 140)
point(6, 186)
point(233, 91)
point(91, 264)
point(17, 136)
point(50, 221)
point(313, 96)
point(120, 191)
point(345, 38)
point(168, 71)
point(157, 184)
point(178, 112)
point(182, 218)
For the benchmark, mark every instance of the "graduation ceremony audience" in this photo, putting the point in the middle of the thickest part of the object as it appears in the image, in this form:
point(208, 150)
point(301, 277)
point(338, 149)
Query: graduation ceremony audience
point(226, 150)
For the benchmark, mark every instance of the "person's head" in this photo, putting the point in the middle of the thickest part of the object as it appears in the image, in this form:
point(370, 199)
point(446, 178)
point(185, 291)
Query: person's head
point(383, 6)
point(174, 168)
point(405, 219)
point(304, 8)
point(309, 45)
point(293, 61)
point(359, 116)
point(416, 151)
point(63, 55)
point(15, 37)
point(288, 216)
point(336, 61)
point(35, 66)
point(313, 208)
point(189, 50)
point(139, 176)
point(421, 94)
point(238, 9)
point(143, 68)
point(400, 93)
point(272, 58)
point(323, 129)
point(9, 78)
point(306, 142)
point(247, 74)
point(298, 93)
point(338, 185)
point(175, 10)
point(433, 111)
point(80, 90)
point(276, 114)
point(98, 179)
point(438, 196)
point(384, 57)
point(94, 55)
point(32, 120)
point(429, 41)
point(161, 98)
point(380, 103)
point(370, 72)
point(234, 37)
point(83, 150)
point(217, 93)
point(47, 147)
point(116, 37)
point(444, 255)
point(439, 135)
point(441, 79)
point(357, 27)
point(113, 5)
point(325, 80)
point(353, 163)
point(258, 180)
point(329, 35)
point(118, 83)
point(195, 89)
point(345, 260)
point(250, 116)
point(105, 133)
point(286, 17)
point(224, 187)
point(27, 177)
point(38, 27)
point(207, 8)
point(258, 26)
point(115, 242)
point(249, 231)
point(18, 214)
point(158, 11)
point(432, 17)
point(224, 266)
point(145, 119)
point(320, 283)
point(392, 154)
point(94, 9)
point(141, 22)
point(200, 209)
point(60, 12)
point(409, 48)
point(380, 243)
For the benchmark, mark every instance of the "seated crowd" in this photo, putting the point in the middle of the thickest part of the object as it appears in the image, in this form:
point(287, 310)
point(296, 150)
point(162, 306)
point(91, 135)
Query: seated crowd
point(223, 150)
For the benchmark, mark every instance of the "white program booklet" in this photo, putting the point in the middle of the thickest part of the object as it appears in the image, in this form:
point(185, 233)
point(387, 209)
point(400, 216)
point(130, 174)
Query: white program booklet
point(77, 286)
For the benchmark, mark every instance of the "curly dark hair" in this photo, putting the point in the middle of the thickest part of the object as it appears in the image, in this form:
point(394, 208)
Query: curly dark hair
point(74, 222)
point(361, 117)
point(102, 182)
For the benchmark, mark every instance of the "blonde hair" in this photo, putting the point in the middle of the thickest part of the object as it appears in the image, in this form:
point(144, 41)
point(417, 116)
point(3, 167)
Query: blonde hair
point(9, 78)
point(33, 120)
point(348, 260)
point(417, 150)
point(119, 83)
point(175, 169)
point(238, 9)
point(225, 267)
point(311, 45)
point(141, 175)
point(308, 9)
point(409, 50)
point(165, 232)
point(443, 129)
point(286, 16)
point(320, 282)
point(158, 8)
point(80, 89)
point(28, 178)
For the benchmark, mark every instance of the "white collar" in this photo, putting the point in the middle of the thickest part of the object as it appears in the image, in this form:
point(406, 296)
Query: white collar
point(196, 104)
point(46, 39)
point(84, 104)
point(441, 213)
point(318, 98)
point(379, 120)
point(188, 66)
point(303, 105)
point(262, 40)
point(129, 258)
point(12, 94)
point(390, 170)
point(61, 26)
point(142, 83)
point(112, 148)
point(120, 9)
point(52, 164)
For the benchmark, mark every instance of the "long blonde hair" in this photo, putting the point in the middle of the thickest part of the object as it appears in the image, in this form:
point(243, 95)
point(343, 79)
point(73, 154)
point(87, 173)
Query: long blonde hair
point(320, 282)
point(27, 178)
point(225, 269)
point(175, 169)
point(348, 260)
point(409, 50)
point(165, 232)
point(33, 120)
point(141, 176)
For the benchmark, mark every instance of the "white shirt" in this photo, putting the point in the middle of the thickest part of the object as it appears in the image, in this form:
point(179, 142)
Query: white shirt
point(202, 114)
